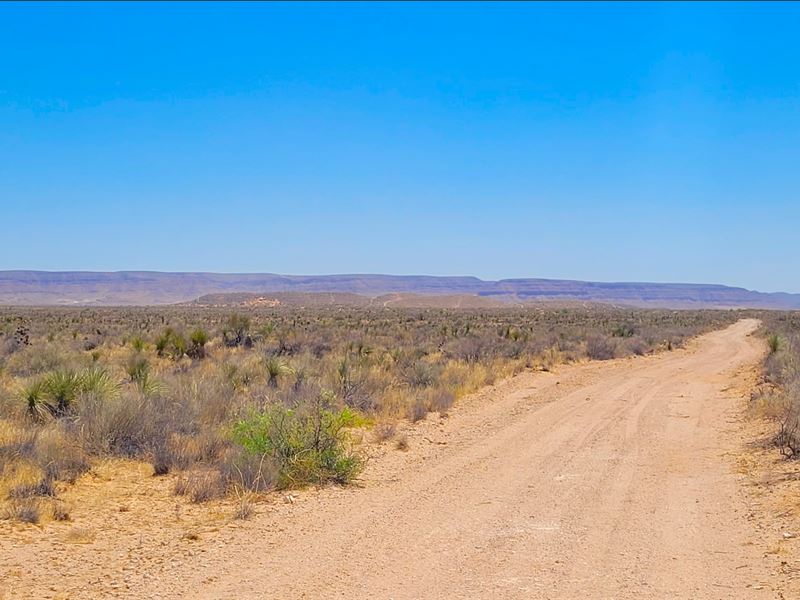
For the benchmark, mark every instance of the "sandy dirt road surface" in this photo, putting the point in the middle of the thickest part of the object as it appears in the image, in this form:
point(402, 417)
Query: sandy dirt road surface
point(600, 480)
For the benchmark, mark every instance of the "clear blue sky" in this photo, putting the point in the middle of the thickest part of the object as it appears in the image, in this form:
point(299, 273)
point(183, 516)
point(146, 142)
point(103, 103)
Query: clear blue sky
point(603, 142)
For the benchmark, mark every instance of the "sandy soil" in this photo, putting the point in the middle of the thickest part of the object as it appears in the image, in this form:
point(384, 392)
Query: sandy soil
point(631, 478)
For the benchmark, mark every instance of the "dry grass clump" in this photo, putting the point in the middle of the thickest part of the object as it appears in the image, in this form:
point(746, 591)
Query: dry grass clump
point(61, 512)
point(385, 431)
point(79, 535)
point(201, 485)
point(245, 504)
point(247, 402)
point(418, 410)
point(23, 510)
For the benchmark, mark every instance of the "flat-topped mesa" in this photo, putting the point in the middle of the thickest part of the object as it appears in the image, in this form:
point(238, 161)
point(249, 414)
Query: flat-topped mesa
point(85, 288)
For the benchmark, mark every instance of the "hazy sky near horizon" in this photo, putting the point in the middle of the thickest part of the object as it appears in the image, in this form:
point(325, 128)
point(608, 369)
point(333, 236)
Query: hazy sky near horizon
point(613, 142)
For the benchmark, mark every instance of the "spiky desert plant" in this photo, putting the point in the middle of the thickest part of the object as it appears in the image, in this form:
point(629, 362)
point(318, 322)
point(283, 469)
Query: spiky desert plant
point(99, 382)
point(198, 339)
point(774, 343)
point(62, 388)
point(171, 343)
point(275, 369)
point(34, 396)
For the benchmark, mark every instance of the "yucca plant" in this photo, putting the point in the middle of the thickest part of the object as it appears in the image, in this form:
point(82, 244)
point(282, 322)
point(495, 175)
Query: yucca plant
point(275, 369)
point(198, 339)
point(62, 388)
point(34, 396)
point(171, 343)
point(53, 393)
point(773, 343)
point(300, 377)
point(99, 382)
point(138, 370)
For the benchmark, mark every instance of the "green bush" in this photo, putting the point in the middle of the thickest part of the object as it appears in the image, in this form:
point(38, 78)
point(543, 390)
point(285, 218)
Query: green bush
point(310, 446)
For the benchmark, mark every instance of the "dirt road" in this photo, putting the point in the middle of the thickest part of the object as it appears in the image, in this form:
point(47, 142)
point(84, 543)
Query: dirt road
point(601, 480)
point(605, 481)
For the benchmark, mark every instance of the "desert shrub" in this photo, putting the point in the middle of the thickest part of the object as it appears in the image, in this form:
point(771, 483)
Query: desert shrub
point(781, 370)
point(440, 400)
point(470, 349)
point(59, 454)
point(249, 471)
point(236, 331)
point(35, 359)
point(310, 445)
point(25, 510)
point(201, 485)
point(244, 506)
point(599, 347)
point(131, 425)
point(138, 370)
point(402, 443)
point(421, 374)
point(61, 512)
point(417, 410)
point(97, 381)
point(636, 345)
point(41, 488)
point(788, 437)
point(355, 386)
point(182, 450)
point(385, 431)
point(623, 330)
